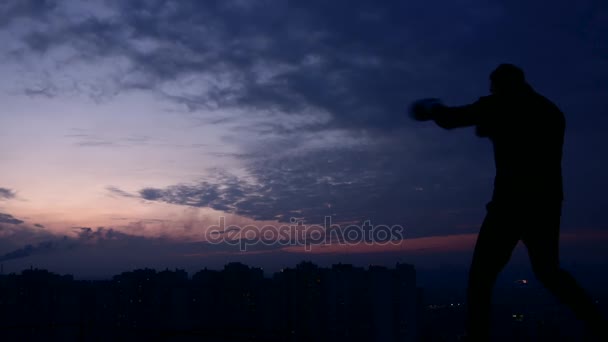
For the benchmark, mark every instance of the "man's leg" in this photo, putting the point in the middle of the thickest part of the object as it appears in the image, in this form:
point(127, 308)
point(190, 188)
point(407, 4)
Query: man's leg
point(493, 250)
point(542, 242)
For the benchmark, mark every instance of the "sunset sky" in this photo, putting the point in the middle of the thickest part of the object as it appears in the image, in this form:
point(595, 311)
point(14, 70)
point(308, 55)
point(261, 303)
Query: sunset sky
point(127, 128)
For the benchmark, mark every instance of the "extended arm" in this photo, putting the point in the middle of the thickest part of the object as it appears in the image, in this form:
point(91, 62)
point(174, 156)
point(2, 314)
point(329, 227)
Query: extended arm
point(452, 117)
point(455, 117)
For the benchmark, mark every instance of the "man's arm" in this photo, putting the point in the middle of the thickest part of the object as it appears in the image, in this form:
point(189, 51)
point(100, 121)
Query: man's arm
point(462, 116)
point(453, 117)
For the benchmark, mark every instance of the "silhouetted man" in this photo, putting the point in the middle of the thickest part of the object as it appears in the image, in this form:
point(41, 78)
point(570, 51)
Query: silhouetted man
point(527, 132)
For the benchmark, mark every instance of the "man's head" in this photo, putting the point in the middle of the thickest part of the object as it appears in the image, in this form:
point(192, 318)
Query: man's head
point(507, 78)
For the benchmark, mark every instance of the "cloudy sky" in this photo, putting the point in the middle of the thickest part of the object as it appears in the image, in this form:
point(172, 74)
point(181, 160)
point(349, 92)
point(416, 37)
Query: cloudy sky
point(127, 128)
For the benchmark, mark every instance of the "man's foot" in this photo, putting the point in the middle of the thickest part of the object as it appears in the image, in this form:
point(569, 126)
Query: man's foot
point(598, 331)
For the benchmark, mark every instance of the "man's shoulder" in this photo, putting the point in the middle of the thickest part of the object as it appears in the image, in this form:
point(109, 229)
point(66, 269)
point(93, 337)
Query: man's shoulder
point(492, 108)
point(547, 103)
point(495, 102)
point(485, 104)
point(487, 99)
point(548, 107)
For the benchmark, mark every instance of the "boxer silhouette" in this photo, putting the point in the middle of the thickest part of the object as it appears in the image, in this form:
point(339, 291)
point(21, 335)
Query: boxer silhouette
point(527, 133)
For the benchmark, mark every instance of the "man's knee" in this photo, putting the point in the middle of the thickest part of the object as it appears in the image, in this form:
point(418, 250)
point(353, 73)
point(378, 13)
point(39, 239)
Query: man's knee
point(492, 259)
point(487, 270)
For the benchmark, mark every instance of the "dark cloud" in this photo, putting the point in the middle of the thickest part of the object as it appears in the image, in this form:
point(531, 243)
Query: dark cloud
point(83, 139)
point(6, 218)
point(49, 91)
point(355, 60)
point(17, 233)
point(118, 192)
point(6, 194)
point(14, 10)
point(296, 67)
point(151, 194)
point(41, 248)
point(349, 184)
point(95, 143)
point(91, 249)
point(359, 61)
point(90, 140)
point(85, 236)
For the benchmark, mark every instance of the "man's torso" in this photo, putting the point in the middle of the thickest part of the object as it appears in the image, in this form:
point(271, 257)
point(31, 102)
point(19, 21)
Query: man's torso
point(527, 133)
